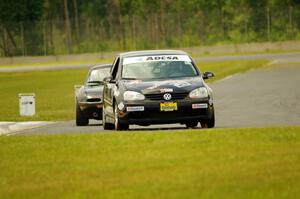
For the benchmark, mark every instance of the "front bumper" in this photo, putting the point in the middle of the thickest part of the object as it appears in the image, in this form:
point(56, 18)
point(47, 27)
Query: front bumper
point(152, 114)
point(93, 110)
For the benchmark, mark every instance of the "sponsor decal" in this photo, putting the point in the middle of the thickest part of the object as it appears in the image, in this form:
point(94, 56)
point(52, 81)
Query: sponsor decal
point(155, 85)
point(182, 84)
point(166, 90)
point(135, 108)
point(158, 58)
point(134, 82)
point(132, 60)
point(176, 83)
point(199, 106)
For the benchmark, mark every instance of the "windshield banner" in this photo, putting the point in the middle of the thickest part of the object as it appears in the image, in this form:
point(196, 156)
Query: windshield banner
point(131, 60)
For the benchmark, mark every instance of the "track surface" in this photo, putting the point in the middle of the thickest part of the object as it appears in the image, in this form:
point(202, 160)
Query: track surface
point(280, 57)
point(265, 97)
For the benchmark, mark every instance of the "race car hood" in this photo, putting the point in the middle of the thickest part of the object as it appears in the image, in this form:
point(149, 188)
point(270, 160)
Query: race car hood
point(93, 90)
point(89, 92)
point(180, 85)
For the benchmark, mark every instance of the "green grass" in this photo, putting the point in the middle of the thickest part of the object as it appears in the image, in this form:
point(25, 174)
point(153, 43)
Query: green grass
point(226, 68)
point(54, 93)
point(55, 89)
point(196, 53)
point(58, 63)
point(218, 163)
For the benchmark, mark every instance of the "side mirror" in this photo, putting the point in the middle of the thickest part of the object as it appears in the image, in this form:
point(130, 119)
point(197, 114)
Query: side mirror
point(109, 79)
point(208, 75)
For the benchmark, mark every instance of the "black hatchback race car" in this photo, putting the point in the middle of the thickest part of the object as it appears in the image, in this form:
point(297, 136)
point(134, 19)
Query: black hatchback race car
point(156, 87)
point(88, 96)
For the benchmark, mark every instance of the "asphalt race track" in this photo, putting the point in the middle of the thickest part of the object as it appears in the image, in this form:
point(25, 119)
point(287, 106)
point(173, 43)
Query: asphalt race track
point(279, 57)
point(265, 97)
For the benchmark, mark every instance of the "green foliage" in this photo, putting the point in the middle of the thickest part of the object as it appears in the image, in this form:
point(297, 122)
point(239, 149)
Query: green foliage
point(38, 27)
point(22, 10)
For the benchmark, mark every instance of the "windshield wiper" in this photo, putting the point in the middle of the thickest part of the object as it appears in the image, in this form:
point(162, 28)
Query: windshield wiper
point(124, 78)
point(95, 82)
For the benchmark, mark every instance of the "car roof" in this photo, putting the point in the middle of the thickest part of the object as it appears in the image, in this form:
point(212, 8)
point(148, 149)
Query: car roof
point(152, 52)
point(101, 66)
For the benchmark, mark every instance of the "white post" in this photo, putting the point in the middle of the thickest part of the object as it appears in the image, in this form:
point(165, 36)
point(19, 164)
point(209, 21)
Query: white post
point(27, 104)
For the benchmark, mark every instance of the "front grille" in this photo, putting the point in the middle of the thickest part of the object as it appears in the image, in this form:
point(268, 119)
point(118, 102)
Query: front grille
point(159, 96)
point(169, 115)
point(94, 100)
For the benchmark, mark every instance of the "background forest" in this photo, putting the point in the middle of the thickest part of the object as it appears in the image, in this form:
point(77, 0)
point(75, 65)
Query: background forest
point(47, 27)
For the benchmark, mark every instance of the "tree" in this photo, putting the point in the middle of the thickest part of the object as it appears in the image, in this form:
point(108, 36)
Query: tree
point(14, 13)
point(68, 27)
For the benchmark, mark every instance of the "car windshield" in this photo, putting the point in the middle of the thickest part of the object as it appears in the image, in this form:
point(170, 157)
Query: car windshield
point(158, 67)
point(97, 75)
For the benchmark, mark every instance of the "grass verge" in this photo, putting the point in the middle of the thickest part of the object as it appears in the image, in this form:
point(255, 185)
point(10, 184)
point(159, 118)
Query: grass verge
point(196, 53)
point(226, 68)
point(55, 94)
point(58, 63)
point(218, 163)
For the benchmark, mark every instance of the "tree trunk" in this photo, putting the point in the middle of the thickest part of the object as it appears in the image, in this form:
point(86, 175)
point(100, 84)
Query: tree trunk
point(133, 31)
point(22, 39)
point(45, 38)
point(51, 43)
point(68, 27)
point(162, 19)
point(222, 23)
point(268, 24)
point(76, 22)
point(5, 44)
point(156, 32)
point(123, 30)
point(179, 26)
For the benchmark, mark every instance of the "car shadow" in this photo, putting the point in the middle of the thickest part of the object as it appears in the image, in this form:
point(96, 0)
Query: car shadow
point(161, 128)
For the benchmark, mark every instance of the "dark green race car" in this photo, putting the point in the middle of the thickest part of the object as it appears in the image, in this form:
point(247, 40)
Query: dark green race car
point(156, 87)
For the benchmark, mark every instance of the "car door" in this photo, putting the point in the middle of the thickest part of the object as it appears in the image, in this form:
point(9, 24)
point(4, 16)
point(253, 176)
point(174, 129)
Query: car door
point(110, 87)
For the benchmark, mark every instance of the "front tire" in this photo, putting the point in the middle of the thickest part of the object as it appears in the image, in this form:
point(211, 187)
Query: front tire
point(106, 126)
point(81, 118)
point(118, 125)
point(191, 124)
point(210, 122)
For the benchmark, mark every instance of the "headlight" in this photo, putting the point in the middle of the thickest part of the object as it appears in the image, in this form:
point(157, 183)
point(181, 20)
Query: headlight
point(199, 93)
point(133, 96)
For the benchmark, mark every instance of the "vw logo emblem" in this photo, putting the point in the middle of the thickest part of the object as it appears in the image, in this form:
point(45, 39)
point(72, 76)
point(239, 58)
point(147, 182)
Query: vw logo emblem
point(167, 96)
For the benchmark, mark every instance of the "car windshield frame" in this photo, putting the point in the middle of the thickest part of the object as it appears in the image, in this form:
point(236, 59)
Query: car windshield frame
point(95, 81)
point(165, 65)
